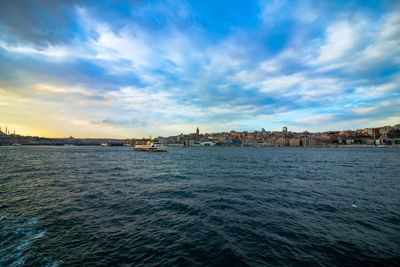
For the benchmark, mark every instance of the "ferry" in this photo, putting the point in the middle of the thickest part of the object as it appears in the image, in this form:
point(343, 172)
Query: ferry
point(151, 146)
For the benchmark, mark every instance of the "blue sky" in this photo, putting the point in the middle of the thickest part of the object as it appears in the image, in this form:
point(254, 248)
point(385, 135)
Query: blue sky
point(134, 68)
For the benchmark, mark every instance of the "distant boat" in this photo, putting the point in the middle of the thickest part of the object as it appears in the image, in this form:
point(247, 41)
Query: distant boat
point(151, 146)
point(105, 144)
point(354, 204)
point(16, 144)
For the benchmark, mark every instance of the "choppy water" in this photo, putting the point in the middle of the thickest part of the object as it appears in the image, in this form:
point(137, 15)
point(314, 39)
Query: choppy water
point(98, 206)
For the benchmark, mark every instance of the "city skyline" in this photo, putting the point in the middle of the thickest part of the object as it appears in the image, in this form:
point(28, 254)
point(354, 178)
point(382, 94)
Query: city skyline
point(130, 69)
point(5, 131)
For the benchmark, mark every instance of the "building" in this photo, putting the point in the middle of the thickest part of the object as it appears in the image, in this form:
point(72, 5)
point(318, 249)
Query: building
point(284, 130)
point(237, 134)
point(294, 142)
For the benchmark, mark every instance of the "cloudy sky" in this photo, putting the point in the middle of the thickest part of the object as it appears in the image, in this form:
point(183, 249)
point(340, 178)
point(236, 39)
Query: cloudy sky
point(134, 68)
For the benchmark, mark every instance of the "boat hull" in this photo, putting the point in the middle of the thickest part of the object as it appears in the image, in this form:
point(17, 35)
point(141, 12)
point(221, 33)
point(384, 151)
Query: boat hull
point(152, 148)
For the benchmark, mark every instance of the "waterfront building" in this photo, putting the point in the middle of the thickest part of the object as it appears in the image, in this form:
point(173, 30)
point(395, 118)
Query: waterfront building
point(294, 142)
point(282, 141)
point(221, 139)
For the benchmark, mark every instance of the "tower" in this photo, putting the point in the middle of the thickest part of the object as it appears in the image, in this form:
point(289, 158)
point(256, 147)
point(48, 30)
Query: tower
point(197, 131)
point(284, 129)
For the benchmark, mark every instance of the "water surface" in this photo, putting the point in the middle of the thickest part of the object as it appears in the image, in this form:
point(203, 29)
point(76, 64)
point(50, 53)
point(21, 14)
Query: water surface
point(98, 206)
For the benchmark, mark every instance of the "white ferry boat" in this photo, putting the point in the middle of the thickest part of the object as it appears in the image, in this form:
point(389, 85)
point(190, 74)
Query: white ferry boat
point(151, 146)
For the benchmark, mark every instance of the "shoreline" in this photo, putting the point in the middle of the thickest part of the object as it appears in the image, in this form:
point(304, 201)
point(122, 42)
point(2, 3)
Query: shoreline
point(216, 146)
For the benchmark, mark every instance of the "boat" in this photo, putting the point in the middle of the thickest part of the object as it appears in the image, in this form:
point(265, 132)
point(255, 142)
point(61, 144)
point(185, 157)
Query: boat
point(151, 146)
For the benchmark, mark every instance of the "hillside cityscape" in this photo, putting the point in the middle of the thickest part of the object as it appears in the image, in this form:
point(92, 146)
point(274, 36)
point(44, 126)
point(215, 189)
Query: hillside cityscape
point(381, 136)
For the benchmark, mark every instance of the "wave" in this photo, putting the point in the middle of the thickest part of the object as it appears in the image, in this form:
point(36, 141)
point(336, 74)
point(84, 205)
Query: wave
point(16, 238)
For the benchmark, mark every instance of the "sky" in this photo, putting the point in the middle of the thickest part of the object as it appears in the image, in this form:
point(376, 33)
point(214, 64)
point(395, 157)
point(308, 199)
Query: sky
point(128, 69)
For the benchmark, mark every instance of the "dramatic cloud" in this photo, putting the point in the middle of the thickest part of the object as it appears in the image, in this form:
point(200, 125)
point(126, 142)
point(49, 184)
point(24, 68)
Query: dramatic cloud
point(164, 67)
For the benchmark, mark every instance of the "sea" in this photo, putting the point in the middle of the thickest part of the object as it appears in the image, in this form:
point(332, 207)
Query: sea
point(199, 206)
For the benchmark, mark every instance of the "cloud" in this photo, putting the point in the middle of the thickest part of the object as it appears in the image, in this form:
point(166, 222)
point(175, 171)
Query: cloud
point(341, 38)
point(164, 65)
point(314, 120)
